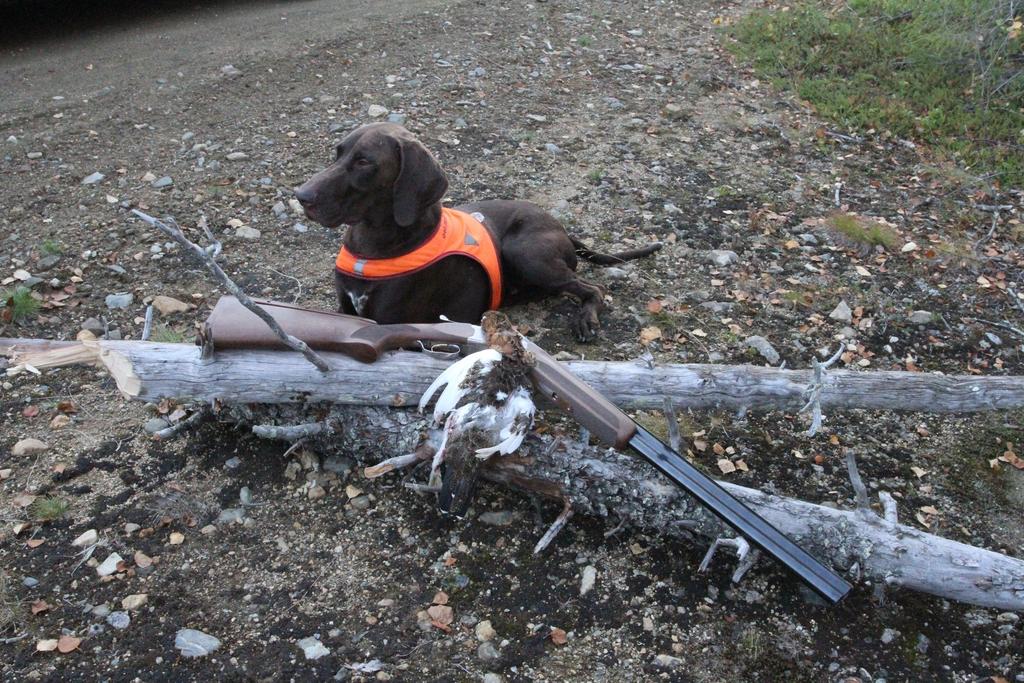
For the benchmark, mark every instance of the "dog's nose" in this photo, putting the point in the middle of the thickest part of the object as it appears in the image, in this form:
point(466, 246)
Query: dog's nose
point(306, 196)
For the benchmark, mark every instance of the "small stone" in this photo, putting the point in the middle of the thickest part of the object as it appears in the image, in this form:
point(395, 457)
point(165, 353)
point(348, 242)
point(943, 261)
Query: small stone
point(588, 580)
point(279, 208)
point(231, 71)
point(920, 317)
point(764, 347)
point(300, 227)
point(1008, 618)
point(316, 491)
point(487, 652)
point(397, 118)
point(169, 305)
point(165, 181)
point(493, 678)
point(93, 178)
point(47, 262)
point(135, 601)
point(245, 496)
point(245, 232)
point(993, 338)
point(889, 635)
point(613, 273)
point(231, 516)
point(236, 156)
point(109, 565)
point(148, 177)
point(155, 424)
point(460, 123)
point(361, 502)
point(375, 111)
point(119, 620)
point(923, 643)
point(12, 139)
point(552, 148)
point(718, 306)
point(123, 300)
point(131, 528)
point(233, 463)
point(352, 491)
point(423, 621)
point(842, 312)
point(93, 325)
point(497, 518)
point(339, 465)
point(101, 611)
point(176, 538)
point(484, 631)
point(29, 582)
point(34, 155)
point(296, 207)
point(313, 648)
point(88, 538)
point(723, 257)
point(29, 447)
point(667, 661)
point(194, 643)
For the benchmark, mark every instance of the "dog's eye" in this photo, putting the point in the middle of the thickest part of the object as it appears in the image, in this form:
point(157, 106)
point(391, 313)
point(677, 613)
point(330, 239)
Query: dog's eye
point(361, 162)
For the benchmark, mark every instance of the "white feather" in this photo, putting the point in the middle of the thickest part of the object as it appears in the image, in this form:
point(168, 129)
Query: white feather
point(453, 376)
point(513, 427)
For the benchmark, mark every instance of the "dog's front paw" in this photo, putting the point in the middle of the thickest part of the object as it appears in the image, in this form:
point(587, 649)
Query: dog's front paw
point(587, 326)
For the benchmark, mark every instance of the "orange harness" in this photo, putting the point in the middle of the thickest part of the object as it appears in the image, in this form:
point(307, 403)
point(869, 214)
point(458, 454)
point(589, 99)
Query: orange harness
point(457, 234)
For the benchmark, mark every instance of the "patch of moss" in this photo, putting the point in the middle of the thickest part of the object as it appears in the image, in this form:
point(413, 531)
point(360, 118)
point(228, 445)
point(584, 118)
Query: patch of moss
point(863, 231)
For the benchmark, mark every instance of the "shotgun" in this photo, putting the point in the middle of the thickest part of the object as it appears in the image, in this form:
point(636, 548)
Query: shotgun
point(232, 326)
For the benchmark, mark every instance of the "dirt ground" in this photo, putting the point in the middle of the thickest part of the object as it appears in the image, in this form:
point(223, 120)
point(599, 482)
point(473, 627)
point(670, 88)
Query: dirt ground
point(632, 123)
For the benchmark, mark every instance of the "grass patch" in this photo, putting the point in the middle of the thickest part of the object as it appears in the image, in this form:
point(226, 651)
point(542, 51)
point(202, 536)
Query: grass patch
point(166, 335)
point(863, 231)
point(10, 606)
point(17, 304)
point(48, 509)
point(946, 72)
point(50, 248)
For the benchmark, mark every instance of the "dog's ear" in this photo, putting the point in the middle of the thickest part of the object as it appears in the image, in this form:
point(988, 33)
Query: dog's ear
point(420, 182)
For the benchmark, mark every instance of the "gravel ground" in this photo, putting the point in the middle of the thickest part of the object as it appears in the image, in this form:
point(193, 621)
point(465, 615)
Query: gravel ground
point(631, 122)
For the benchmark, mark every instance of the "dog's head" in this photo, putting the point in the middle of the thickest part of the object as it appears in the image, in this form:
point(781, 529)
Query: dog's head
point(379, 169)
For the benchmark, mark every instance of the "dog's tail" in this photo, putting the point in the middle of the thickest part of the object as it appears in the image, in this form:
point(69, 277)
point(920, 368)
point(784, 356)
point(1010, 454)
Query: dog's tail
point(611, 259)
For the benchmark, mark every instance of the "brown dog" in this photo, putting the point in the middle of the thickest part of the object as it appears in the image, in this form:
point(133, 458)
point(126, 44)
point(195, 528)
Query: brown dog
point(387, 187)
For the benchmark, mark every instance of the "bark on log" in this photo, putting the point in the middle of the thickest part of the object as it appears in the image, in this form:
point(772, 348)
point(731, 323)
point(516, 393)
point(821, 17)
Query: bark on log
point(604, 483)
point(399, 378)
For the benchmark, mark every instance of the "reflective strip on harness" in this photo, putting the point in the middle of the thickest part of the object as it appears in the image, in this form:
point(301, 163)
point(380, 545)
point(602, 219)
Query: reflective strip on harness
point(457, 234)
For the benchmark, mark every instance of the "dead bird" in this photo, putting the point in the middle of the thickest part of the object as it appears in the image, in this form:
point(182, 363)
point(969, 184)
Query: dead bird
point(485, 407)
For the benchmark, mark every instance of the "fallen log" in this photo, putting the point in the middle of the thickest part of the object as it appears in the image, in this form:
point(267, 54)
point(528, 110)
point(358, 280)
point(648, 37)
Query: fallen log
point(604, 483)
point(275, 394)
point(399, 378)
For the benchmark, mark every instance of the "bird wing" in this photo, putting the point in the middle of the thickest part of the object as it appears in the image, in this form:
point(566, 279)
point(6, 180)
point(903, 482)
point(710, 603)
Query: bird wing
point(452, 379)
point(515, 418)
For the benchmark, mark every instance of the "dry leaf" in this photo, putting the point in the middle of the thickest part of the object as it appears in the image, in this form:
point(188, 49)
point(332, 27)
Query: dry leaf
point(649, 334)
point(700, 445)
point(35, 542)
point(718, 449)
point(48, 645)
point(68, 644)
point(23, 500)
point(862, 271)
point(698, 333)
point(558, 636)
point(39, 606)
point(440, 598)
point(726, 466)
point(654, 306)
point(929, 510)
point(918, 471)
point(30, 411)
point(742, 466)
point(792, 244)
point(176, 538)
point(441, 614)
point(142, 559)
